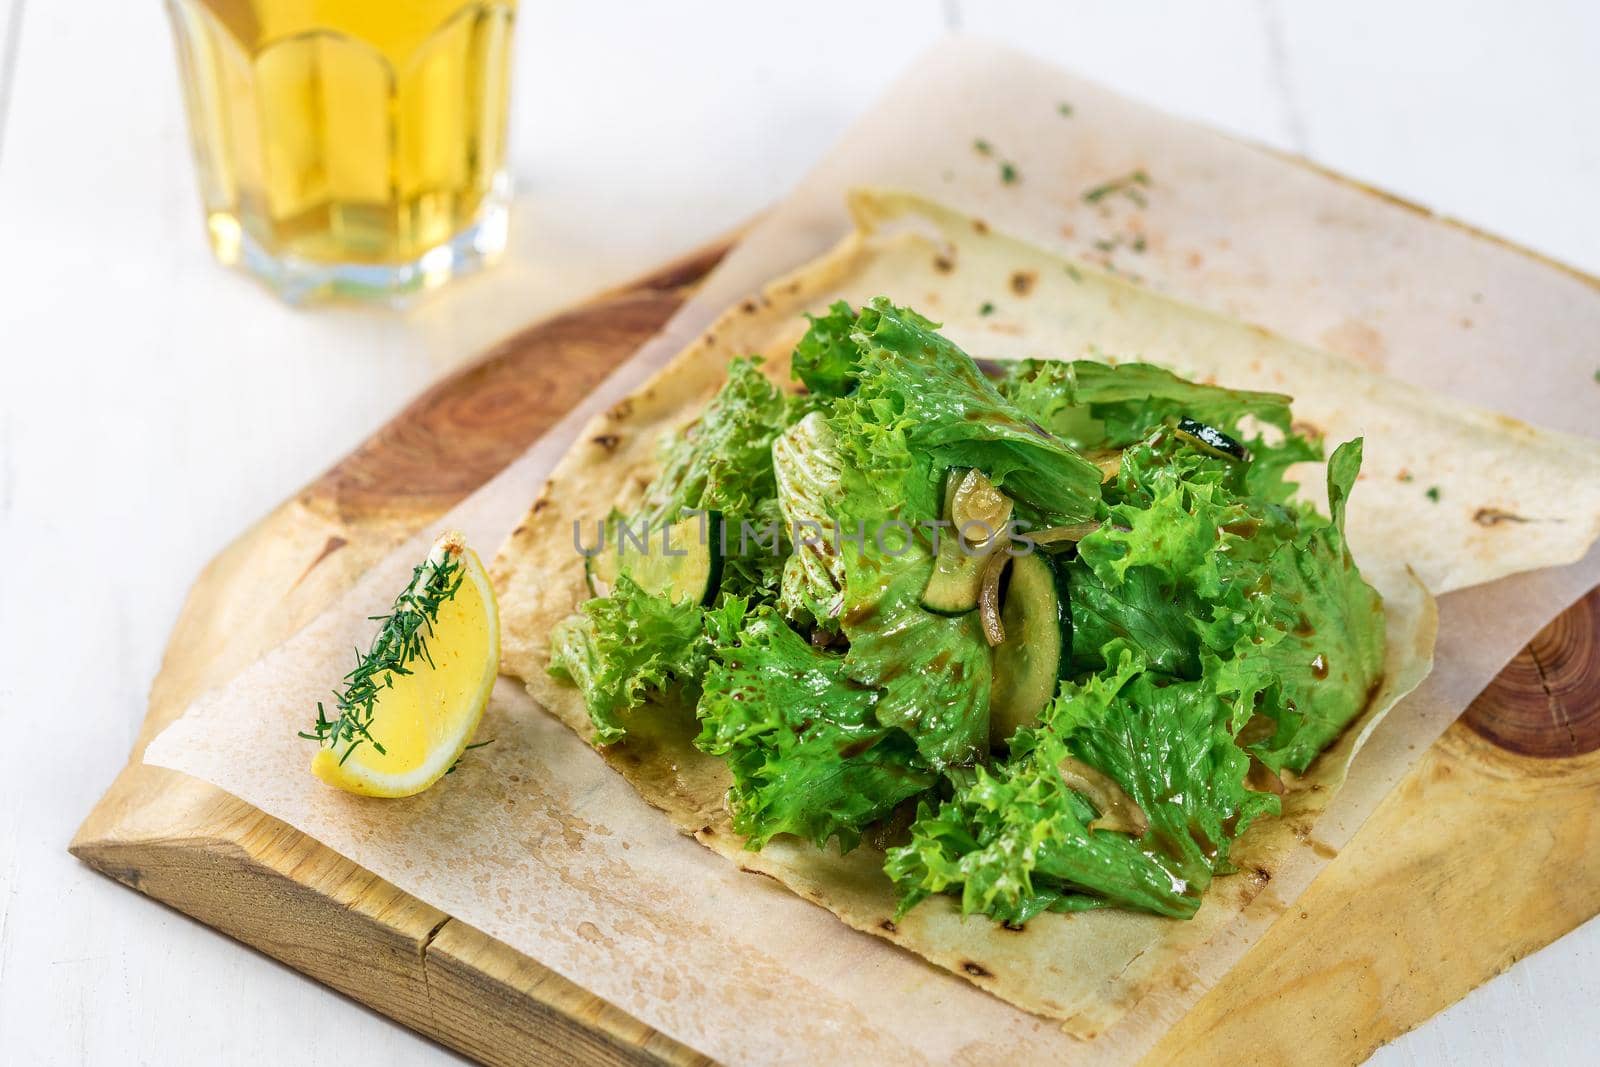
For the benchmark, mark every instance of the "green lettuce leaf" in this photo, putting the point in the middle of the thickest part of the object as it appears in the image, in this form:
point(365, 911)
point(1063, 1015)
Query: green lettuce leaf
point(1328, 624)
point(1018, 839)
point(622, 649)
point(723, 462)
point(910, 380)
point(1148, 609)
point(808, 755)
point(1098, 405)
point(723, 459)
point(825, 358)
point(933, 673)
point(1191, 564)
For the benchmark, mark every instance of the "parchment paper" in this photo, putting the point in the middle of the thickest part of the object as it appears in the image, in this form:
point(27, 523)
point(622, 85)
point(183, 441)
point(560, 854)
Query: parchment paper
point(537, 843)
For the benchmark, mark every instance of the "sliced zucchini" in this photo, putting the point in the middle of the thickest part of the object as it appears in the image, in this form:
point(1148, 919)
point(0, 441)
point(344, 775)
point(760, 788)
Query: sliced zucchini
point(957, 576)
point(682, 561)
point(1030, 662)
point(947, 491)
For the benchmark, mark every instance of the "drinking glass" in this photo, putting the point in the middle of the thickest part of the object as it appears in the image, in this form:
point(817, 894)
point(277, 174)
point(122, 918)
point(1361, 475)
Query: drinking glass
point(349, 147)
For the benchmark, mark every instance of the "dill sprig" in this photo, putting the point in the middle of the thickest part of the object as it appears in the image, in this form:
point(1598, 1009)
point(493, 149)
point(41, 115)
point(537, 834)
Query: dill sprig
point(401, 641)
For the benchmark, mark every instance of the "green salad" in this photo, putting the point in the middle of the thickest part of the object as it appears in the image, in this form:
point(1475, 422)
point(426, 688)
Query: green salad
point(1052, 634)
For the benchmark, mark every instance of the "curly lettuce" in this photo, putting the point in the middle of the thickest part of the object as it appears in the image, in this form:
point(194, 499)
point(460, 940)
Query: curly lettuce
point(1202, 616)
point(623, 649)
point(932, 672)
point(907, 378)
point(1217, 627)
point(902, 380)
point(808, 753)
point(1020, 839)
point(1100, 405)
point(1190, 562)
point(723, 462)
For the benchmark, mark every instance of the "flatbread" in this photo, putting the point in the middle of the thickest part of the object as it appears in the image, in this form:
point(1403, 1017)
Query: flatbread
point(1508, 498)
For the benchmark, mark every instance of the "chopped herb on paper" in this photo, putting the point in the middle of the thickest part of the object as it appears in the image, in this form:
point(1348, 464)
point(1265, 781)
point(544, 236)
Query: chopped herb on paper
point(1131, 186)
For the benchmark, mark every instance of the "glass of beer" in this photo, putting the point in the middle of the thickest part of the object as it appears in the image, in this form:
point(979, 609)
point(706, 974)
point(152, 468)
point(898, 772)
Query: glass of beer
point(349, 147)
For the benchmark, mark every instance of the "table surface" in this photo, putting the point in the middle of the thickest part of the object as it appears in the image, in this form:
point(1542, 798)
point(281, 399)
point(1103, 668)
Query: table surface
point(152, 405)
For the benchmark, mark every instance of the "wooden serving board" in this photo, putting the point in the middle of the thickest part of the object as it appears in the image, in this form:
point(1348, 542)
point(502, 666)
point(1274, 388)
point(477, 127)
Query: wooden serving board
point(1487, 851)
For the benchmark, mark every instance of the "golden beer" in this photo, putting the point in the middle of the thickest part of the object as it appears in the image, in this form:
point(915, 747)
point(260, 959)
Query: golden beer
point(349, 146)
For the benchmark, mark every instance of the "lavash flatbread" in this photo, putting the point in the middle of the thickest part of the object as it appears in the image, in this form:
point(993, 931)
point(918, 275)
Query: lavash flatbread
point(1509, 498)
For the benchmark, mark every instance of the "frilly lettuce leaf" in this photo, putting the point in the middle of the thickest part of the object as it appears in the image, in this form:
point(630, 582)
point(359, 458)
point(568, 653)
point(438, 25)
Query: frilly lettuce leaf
point(933, 672)
point(1017, 840)
point(621, 649)
point(723, 462)
point(723, 459)
point(1328, 654)
point(1099, 405)
point(808, 755)
point(1190, 563)
point(825, 358)
point(911, 380)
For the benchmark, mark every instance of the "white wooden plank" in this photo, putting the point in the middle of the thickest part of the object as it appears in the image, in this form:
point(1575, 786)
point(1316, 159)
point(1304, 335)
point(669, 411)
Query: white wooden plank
point(641, 130)
point(1213, 61)
point(10, 38)
point(1485, 111)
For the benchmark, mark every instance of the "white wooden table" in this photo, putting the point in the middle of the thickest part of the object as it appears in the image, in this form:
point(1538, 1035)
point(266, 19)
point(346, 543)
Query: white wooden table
point(152, 405)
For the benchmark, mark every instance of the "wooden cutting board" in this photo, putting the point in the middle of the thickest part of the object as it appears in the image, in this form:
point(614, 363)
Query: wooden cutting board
point(1487, 851)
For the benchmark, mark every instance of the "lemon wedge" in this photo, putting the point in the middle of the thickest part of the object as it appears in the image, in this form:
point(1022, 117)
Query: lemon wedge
point(411, 706)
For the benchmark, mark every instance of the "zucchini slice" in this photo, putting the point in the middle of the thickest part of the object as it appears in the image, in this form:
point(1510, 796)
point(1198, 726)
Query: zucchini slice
point(1030, 662)
point(957, 576)
point(681, 562)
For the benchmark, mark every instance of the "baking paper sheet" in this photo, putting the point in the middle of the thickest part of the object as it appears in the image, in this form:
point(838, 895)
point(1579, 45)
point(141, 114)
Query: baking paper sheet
point(537, 843)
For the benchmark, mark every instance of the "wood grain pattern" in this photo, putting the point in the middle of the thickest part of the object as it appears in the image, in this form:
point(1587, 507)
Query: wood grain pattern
point(1485, 852)
point(1478, 858)
point(1543, 703)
